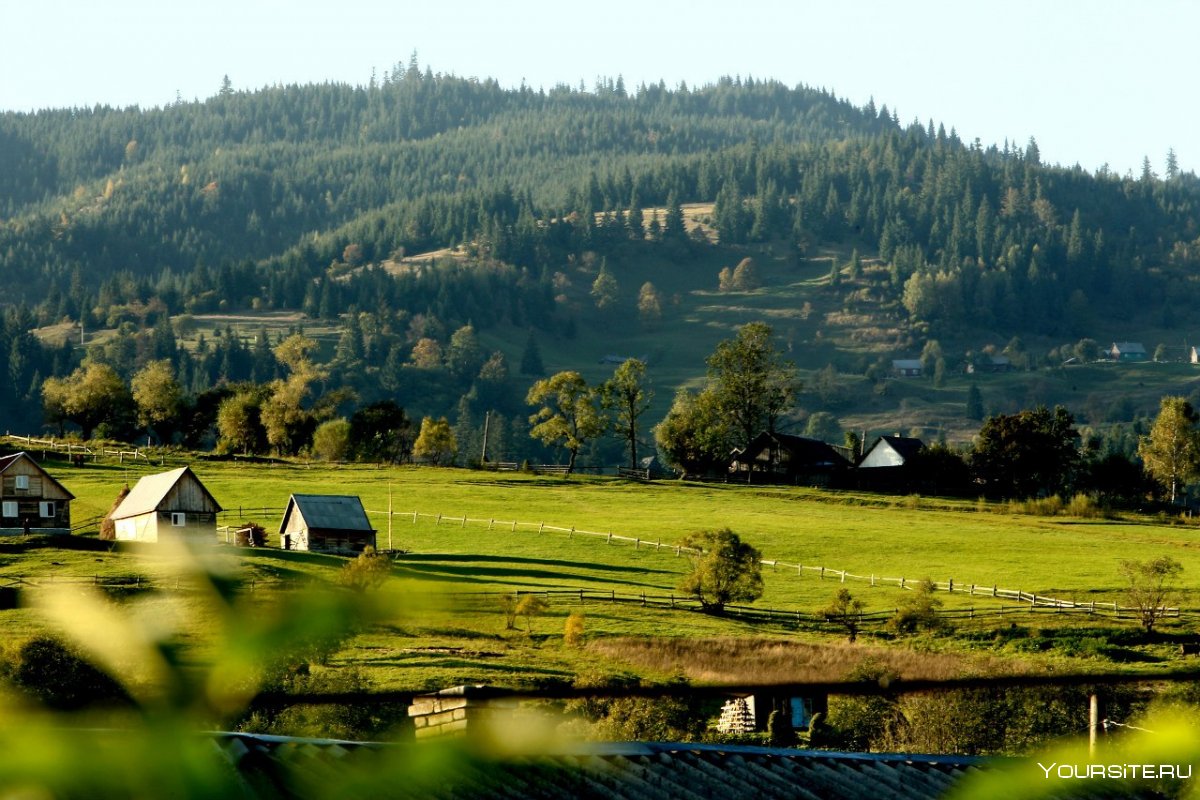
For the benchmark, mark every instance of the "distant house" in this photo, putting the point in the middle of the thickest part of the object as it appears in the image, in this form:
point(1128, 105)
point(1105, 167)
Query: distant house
point(991, 364)
point(1127, 351)
point(783, 458)
point(31, 500)
point(174, 504)
point(906, 367)
point(748, 713)
point(890, 451)
point(325, 523)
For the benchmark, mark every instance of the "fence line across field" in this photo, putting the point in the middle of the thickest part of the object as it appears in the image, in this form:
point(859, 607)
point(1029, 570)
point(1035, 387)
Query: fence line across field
point(950, 585)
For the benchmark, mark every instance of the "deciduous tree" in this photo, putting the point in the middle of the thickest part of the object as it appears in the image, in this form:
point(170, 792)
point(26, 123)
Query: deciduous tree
point(1171, 451)
point(435, 443)
point(569, 416)
point(752, 383)
point(1149, 587)
point(724, 570)
point(627, 397)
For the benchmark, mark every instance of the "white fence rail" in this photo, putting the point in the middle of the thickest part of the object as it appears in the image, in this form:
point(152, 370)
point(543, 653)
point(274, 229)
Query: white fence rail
point(1031, 599)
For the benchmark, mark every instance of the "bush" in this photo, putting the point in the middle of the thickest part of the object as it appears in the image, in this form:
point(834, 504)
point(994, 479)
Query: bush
point(918, 612)
point(56, 675)
point(573, 630)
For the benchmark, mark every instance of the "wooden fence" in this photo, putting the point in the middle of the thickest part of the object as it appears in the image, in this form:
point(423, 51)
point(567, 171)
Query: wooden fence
point(950, 585)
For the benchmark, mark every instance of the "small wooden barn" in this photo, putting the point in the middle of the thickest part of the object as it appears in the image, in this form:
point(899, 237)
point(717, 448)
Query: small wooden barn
point(325, 523)
point(31, 500)
point(172, 504)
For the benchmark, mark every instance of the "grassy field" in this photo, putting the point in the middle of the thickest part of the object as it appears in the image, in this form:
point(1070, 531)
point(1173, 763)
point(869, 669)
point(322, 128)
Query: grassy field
point(448, 625)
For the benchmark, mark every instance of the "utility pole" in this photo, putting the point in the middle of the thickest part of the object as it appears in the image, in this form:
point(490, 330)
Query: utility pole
point(389, 515)
point(487, 418)
point(1093, 723)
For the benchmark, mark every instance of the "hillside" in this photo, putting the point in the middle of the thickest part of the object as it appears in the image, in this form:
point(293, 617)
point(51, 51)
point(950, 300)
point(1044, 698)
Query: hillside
point(377, 217)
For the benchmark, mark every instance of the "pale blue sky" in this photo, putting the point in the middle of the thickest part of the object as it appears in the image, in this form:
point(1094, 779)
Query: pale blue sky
point(1096, 82)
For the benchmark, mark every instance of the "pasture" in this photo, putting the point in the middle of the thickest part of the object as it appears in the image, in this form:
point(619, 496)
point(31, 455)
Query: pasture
point(445, 623)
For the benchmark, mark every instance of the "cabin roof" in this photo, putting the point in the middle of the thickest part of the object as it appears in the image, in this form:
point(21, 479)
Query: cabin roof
point(328, 511)
point(8, 461)
point(151, 490)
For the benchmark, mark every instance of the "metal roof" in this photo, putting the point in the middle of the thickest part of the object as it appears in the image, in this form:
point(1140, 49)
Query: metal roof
point(649, 771)
point(328, 511)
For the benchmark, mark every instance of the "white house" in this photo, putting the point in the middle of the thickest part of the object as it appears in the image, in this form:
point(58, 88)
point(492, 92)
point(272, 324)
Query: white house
point(171, 503)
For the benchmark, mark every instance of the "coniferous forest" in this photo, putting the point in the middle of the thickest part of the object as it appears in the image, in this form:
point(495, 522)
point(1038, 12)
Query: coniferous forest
point(319, 200)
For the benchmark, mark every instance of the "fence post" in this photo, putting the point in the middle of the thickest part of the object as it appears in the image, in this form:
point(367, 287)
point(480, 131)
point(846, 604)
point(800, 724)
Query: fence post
point(609, 539)
point(993, 590)
point(843, 576)
point(514, 530)
point(972, 590)
point(541, 526)
point(872, 578)
point(950, 585)
point(614, 595)
point(439, 520)
point(637, 543)
point(822, 573)
point(464, 524)
point(414, 518)
point(901, 581)
point(581, 597)
point(491, 523)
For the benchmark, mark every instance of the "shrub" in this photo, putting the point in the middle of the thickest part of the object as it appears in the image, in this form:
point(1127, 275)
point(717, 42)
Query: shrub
point(918, 612)
point(573, 630)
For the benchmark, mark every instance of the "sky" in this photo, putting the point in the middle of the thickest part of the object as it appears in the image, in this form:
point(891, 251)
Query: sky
point(1100, 82)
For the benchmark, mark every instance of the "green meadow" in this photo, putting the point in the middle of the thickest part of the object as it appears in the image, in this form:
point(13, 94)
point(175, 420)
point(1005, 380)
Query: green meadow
point(445, 623)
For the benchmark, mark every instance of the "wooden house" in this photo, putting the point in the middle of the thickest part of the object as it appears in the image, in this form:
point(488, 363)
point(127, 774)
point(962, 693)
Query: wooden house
point(325, 523)
point(890, 464)
point(1127, 351)
point(31, 500)
point(172, 504)
point(907, 367)
point(889, 452)
point(783, 458)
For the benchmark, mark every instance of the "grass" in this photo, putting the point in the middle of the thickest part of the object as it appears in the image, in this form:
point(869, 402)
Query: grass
point(448, 626)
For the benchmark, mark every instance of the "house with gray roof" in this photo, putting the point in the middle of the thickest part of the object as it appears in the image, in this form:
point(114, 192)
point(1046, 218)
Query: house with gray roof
point(325, 523)
point(170, 504)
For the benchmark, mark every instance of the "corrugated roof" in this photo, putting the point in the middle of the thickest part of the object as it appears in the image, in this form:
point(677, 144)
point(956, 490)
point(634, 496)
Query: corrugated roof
point(336, 511)
point(649, 771)
point(150, 490)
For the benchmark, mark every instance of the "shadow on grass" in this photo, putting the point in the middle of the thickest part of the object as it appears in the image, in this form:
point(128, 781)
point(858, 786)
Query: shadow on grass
point(300, 556)
point(542, 562)
point(493, 575)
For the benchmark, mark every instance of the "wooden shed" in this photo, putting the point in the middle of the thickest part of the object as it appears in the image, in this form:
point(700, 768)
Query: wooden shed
point(325, 523)
point(31, 500)
point(171, 503)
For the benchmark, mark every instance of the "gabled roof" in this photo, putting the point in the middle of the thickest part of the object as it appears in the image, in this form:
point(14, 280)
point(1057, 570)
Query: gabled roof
point(1128, 347)
point(330, 511)
point(150, 491)
point(8, 461)
point(904, 446)
point(803, 451)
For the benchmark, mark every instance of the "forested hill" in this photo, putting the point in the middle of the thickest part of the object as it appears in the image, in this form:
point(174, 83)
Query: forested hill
point(310, 198)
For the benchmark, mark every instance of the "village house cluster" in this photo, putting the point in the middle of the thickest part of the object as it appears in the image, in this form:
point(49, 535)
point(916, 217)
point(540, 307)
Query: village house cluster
point(176, 505)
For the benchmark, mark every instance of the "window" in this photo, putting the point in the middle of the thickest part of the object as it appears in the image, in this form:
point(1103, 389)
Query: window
point(178, 519)
point(46, 509)
point(22, 482)
point(9, 508)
